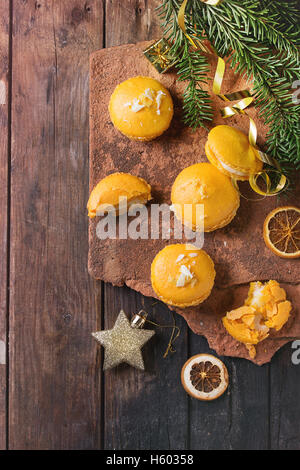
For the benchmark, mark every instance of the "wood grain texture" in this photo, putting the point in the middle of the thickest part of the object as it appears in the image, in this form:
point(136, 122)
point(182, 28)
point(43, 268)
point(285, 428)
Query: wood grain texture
point(4, 150)
point(131, 21)
point(284, 406)
point(228, 423)
point(54, 371)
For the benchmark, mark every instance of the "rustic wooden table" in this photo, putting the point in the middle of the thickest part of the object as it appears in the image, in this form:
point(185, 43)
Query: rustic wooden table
point(53, 394)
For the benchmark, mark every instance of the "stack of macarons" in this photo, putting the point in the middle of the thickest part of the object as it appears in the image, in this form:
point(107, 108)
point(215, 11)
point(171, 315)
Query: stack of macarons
point(229, 150)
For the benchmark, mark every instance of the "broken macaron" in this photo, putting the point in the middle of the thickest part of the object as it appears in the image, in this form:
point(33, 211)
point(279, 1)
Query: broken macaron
point(117, 192)
point(265, 308)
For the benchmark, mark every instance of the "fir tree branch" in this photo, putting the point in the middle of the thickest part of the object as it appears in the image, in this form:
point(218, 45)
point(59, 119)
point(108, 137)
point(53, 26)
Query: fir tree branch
point(261, 38)
point(191, 67)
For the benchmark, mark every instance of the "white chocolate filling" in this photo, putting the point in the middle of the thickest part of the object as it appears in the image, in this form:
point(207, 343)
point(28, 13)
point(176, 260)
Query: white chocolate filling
point(231, 170)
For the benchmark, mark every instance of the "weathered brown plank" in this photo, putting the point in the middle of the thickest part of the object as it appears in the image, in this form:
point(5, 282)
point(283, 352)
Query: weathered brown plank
point(54, 373)
point(4, 147)
point(143, 410)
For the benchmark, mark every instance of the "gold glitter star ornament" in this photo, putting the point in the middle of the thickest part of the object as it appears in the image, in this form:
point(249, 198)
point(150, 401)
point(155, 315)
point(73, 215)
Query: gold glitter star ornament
point(123, 343)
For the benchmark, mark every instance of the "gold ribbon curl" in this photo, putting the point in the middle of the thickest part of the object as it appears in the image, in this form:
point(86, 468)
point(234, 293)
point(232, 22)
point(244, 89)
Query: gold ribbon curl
point(181, 21)
point(239, 108)
point(246, 99)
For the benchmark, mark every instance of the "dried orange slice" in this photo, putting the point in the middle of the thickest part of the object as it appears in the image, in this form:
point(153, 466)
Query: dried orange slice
point(204, 377)
point(282, 232)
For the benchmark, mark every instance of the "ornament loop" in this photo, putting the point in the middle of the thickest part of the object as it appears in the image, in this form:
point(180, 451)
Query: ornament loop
point(139, 319)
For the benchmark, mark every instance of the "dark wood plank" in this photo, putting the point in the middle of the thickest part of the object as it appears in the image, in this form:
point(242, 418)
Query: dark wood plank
point(54, 372)
point(4, 139)
point(228, 423)
point(146, 410)
point(143, 410)
point(285, 406)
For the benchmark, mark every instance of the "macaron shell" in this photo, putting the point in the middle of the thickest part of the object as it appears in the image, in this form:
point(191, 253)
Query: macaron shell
point(115, 186)
point(241, 332)
point(149, 122)
point(214, 161)
point(203, 183)
point(231, 147)
point(165, 270)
